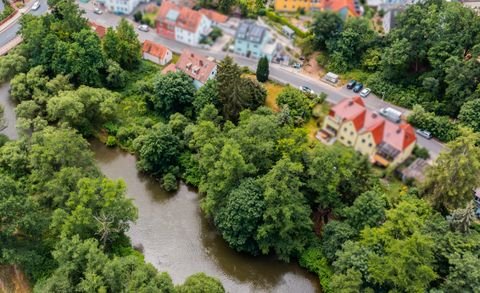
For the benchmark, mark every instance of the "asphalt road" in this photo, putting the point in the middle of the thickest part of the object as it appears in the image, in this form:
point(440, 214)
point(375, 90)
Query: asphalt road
point(279, 73)
point(11, 32)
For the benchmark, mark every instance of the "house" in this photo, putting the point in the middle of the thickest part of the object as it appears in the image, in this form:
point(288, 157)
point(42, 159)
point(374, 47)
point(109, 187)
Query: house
point(384, 142)
point(215, 17)
point(156, 53)
point(121, 6)
point(98, 29)
point(182, 24)
point(345, 8)
point(198, 67)
point(252, 40)
point(473, 4)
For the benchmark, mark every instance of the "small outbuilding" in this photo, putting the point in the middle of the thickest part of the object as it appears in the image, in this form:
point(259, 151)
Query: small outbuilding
point(156, 53)
point(331, 77)
point(288, 32)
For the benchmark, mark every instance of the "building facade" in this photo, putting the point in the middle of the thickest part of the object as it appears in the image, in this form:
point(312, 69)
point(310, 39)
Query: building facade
point(182, 24)
point(384, 142)
point(156, 53)
point(122, 6)
point(345, 8)
point(252, 40)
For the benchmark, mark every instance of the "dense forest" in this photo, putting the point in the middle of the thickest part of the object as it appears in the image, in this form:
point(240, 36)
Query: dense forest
point(430, 59)
point(267, 188)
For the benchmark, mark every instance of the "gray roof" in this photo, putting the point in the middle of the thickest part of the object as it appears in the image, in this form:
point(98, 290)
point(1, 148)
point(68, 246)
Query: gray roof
point(172, 15)
point(249, 31)
point(287, 30)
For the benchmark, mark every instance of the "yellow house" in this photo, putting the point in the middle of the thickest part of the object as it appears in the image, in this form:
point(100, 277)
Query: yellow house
point(345, 8)
point(384, 142)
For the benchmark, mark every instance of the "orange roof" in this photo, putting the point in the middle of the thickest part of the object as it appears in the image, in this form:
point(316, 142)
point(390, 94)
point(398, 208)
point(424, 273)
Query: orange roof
point(398, 136)
point(183, 17)
point(154, 49)
point(213, 15)
point(196, 66)
point(351, 110)
point(337, 5)
point(164, 9)
point(99, 29)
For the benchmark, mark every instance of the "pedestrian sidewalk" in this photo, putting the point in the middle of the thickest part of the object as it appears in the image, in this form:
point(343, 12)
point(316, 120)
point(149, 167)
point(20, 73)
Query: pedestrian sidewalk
point(16, 17)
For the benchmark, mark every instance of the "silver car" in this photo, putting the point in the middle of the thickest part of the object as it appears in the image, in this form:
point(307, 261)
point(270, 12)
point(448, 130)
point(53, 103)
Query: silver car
point(424, 133)
point(365, 92)
point(36, 5)
point(143, 28)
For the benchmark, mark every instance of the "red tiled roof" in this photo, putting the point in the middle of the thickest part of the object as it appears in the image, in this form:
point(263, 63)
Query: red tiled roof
point(337, 5)
point(196, 66)
point(164, 9)
point(399, 136)
point(213, 15)
point(352, 110)
point(189, 19)
point(99, 29)
point(154, 49)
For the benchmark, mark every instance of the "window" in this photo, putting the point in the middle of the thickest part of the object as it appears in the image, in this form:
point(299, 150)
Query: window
point(363, 140)
point(342, 138)
point(344, 129)
point(370, 145)
point(351, 133)
point(349, 142)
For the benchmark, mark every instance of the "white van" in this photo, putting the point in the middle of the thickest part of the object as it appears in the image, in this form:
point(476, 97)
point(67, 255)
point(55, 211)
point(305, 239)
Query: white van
point(391, 114)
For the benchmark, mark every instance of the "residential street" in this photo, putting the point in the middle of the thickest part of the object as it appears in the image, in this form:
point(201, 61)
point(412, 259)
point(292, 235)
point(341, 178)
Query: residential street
point(279, 73)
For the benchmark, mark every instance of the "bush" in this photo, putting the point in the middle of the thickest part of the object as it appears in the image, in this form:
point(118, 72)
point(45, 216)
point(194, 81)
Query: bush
point(216, 33)
point(273, 16)
point(3, 139)
point(111, 141)
point(421, 152)
point(138, 16)
point(313, 260)
point(169, 182)
point(440, 126)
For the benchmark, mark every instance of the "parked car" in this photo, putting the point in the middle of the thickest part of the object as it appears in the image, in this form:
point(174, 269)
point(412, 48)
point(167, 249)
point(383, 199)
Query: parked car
point(143, 28)
point(97, 11)
point(307, 90)
point(358, 87)
point(424, 133)
point(391, 114)
point(365, 92)
point(297, 65)
point(351, 84)
point(36, 5)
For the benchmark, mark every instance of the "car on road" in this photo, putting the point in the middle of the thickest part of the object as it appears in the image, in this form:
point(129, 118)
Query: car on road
point(424, 133)
point(391, 114)
point(358, 87)
point(307, 90)
point(351, 84)
point(143, 28)
point(36, 5)
point(297, 65)
point(365, 92)
point(97, 11)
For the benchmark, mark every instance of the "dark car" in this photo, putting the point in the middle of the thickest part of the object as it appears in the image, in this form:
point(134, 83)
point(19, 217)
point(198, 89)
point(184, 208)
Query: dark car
point(358, 87)
point(351, 84)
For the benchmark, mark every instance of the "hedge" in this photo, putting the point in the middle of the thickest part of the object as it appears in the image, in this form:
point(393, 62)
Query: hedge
point(440, 126)
point(313, 260)
point(273, 16)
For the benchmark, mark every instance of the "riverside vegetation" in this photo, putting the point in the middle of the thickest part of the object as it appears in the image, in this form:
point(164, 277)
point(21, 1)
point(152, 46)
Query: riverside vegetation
point(265, 186)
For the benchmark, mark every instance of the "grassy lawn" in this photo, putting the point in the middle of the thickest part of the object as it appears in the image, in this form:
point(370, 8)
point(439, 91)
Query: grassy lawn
point(273, 89)
point(311, 127)
point(175, 58)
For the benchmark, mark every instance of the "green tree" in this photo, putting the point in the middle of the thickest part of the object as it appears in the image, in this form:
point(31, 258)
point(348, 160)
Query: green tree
point(10, 65)
point(297, 102)
point(350, 282)
point(254, 93)
point(174, 92)
point(200, 283)
point(262, 69)
point(469, 114)
point(367, 210)
point(241, 216)
point(464, 273)
point(326, 26)
point(99, 209)
point(169, 182)
point(334, 235)
point(230, 88)
point(462, 219)
point(158, 150)
point(226, 5)
point(207, 94)
point(116, 76)
point(286, 223)
point(458, 167)
point(122, 45)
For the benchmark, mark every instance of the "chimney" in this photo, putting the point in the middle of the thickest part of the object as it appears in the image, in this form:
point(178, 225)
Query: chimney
point(201, 63)
point(374, 115)
point(192, 55)
point(350, 103)
point(399, 130)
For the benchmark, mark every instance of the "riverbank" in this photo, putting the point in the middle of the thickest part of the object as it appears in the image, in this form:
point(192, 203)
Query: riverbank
point(176, 237)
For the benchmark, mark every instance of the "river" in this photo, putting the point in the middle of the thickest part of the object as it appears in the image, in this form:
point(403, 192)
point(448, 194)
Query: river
point(176, 237)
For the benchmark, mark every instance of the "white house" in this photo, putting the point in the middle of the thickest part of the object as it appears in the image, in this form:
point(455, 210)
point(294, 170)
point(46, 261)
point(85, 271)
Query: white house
point(121, 6)
point(156, 53)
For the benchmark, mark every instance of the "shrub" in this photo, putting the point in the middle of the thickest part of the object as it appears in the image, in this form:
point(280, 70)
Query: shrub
point(3, 139)
point(111, 141)
point(421, 152)
point(440, 126)
point(313, 260)
point(169, 182)
point(138, 16)
point(273, 16)
point(216, 33)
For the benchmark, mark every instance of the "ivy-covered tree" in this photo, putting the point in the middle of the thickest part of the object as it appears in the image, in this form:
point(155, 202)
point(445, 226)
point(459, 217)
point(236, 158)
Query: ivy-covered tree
point(262, 69)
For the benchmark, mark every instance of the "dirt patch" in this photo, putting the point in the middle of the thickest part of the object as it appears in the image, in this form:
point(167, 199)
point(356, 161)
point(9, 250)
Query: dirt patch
point(12, 280)
point(312, 68)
